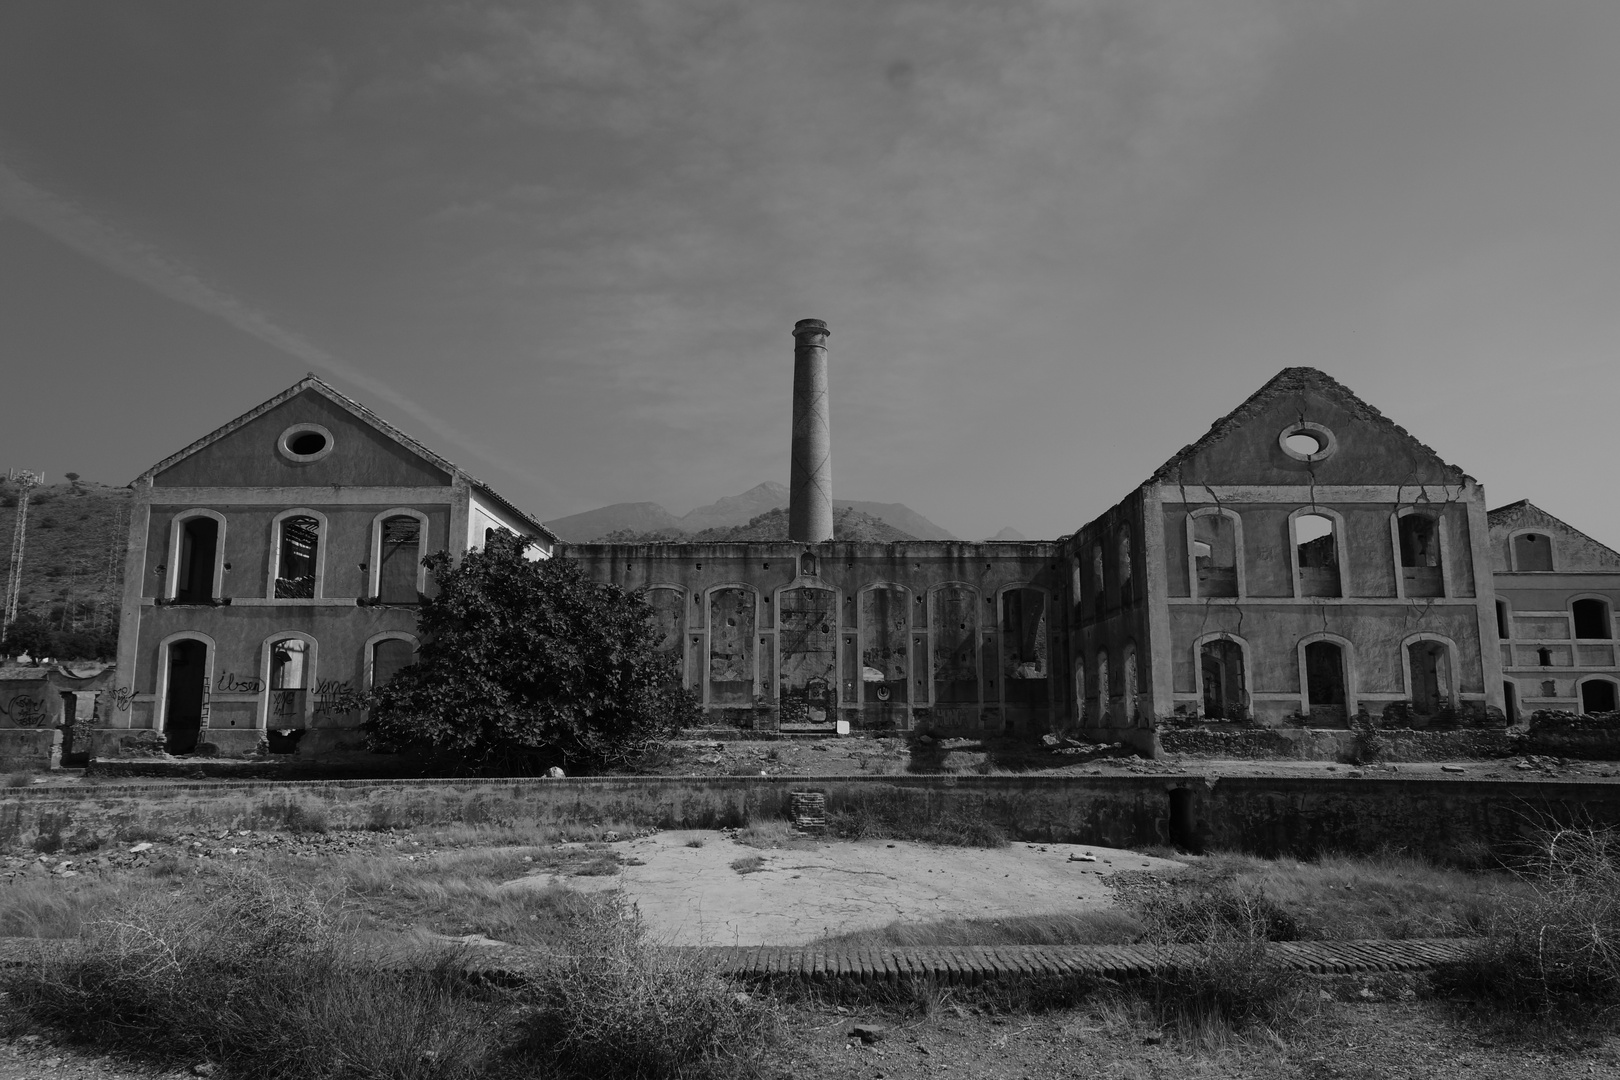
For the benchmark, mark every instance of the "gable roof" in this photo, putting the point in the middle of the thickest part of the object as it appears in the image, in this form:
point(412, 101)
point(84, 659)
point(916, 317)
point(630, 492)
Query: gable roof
point(1287, 382)
point(361, 413)
point(1525, 512)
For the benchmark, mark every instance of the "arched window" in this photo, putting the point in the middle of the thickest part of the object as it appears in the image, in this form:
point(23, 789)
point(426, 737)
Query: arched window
point(1326, 696)
point(1214, 540)
point(398, 538)
point(1418, 537)
point(1102, 689)
point(1592, 619)
point(196, 557)
point(1224, 680)
point(386, 656)
point(1125, 563)
point(1128, 677)
point(1598, 695)
point(297, 555)
point(1429, 670)
point(1097, 572)
point(732, 644)
point(1532, 553)
point(185, 673)
point(1080, 689)
point(1316, 554)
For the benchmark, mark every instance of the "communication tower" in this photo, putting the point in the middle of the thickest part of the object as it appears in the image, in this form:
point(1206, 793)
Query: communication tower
point(26, 481)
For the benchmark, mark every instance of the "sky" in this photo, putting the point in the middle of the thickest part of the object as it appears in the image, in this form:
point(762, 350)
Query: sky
point(565, 243)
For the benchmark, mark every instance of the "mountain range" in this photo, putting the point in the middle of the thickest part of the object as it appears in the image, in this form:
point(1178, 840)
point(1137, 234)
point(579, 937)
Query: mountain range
point(731, 512)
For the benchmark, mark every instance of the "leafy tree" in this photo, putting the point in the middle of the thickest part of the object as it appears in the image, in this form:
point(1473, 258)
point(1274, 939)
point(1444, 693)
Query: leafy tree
point(528, 664)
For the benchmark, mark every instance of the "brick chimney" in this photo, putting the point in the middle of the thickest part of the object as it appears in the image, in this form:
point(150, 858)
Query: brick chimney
point(810, 509)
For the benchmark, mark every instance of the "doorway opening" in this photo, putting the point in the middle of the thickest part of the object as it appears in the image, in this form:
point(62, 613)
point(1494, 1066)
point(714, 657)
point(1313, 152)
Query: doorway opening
point(187, 690)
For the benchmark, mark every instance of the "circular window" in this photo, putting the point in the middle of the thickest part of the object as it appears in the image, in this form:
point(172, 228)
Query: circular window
point(305, 442)
point(1306, 441)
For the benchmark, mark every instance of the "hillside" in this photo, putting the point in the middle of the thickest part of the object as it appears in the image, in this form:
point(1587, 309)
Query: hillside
point(73, 567)
point(647, 519)
point(848, 525)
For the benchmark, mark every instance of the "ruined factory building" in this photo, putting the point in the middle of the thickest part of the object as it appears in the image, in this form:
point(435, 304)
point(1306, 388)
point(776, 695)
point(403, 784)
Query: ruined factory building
point(274, 568)
point(1304, 561)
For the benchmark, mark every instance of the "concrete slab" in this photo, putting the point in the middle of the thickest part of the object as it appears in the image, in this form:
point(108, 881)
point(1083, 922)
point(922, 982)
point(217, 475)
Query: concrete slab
point(693, 895)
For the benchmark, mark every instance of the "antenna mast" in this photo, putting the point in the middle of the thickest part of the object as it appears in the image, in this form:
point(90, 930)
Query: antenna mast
point(26, 481)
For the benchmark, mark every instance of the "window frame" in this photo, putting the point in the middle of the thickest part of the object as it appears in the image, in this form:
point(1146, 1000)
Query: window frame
point(325, 533)
point(1442, 541)
point(1608, 615)
point(296, 430)
point(1453, 665)
point(1513, 551)
point(1198, 666)
point(311, 677)
point(177, 528)
point(1347, 656)
point(374, 566)
point(1001, 645)
point(1340, 547)
point(1191, 529)
point(369, 659)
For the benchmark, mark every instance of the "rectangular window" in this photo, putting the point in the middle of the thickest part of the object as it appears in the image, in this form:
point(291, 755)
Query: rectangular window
point(299, 548)
point(400, 556)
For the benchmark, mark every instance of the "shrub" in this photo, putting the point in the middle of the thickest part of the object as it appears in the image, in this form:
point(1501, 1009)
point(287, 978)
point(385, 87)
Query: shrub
point(1199, 906)
point(1558, 950)
point(620, 1006)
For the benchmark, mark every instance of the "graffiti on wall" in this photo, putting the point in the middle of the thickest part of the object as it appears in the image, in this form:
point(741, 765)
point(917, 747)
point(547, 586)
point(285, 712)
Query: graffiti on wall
point(24, 711)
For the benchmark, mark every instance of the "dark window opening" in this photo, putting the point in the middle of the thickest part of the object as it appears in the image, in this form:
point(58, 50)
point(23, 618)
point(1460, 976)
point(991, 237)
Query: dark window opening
point(1510, 701)
point(307, 442)
point(187, 690)
point(1226, 695)
point(1597, 696)
point(388, 657)
point(1097, 571)
point(1420, 555)
point(1544, 657)
point(1431, 677)
point(300, 548)
point(1532, 552)
point(1592, 619)
point(1318, 553)
point(1504, 627)
point(1023, 644)
point(401, 555)
point(1182, 828)
point(1324, 681)
point(199, 543)
point(1215, 555)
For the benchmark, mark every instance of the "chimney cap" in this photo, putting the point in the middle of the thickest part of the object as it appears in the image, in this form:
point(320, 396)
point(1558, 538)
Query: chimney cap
point(810, 326)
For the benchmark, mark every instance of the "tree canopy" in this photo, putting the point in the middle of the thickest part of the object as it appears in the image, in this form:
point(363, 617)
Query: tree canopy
point(527, 664)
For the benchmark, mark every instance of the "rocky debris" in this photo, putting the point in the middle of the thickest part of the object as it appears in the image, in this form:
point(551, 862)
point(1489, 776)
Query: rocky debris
point(868, 1033)
point(217, 845)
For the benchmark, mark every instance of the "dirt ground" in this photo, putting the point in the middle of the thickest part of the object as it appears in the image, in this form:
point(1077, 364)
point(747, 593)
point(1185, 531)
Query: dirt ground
point(706, 888)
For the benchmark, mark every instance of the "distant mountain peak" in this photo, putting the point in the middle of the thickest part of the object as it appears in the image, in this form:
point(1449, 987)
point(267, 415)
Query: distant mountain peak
point(1006, 535)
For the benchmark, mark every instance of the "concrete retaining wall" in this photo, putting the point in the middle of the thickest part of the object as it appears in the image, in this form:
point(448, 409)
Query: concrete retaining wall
point(1448, 819)
point(30, 748)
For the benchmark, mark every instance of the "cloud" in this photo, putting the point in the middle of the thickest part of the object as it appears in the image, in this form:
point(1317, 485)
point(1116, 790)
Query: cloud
point(77, 228)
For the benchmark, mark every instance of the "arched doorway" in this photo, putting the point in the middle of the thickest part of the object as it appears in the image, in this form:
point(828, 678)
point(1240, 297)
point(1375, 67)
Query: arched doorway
point(185, 694)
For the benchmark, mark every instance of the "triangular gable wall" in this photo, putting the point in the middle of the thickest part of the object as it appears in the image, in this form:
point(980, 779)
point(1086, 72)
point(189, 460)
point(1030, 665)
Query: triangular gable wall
point(1243, 447)
point(366, 451)
point(1574, 551)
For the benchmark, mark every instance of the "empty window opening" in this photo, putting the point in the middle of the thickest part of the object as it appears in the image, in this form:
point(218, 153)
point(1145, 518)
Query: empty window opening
point(1128, 685)
point(1215, 555)
point(1510, 700)
point(1305, 444)
point(1102, 688)
point(1544, 656)
point(1097, 571)
point(1324, 681)
point(1532, 552)
point(1023, 646)
point(1420, 555)
point(807, 565)
point(305, 443)
point(1125, 564)
point(1592, 619)
point(1504, 622)
point(289, 692)
point(1226, 693)
point(1431, 676)
point(388, 657)
point(187, 691)
point(1183, 832)
point(1597, 696)
point(400, 558)
point(1318, 552)
point(299, 548)
point(199, 548)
